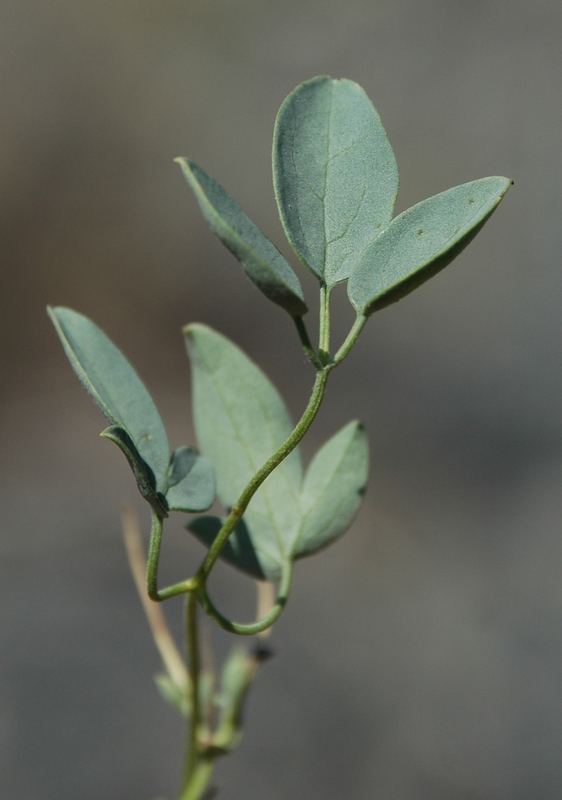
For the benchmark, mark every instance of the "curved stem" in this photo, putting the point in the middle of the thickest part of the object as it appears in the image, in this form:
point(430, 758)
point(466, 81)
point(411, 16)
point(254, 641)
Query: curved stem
point(287, 447)
point(152, 566)
point(306, 343)
point(254, 627)
point(351, 338)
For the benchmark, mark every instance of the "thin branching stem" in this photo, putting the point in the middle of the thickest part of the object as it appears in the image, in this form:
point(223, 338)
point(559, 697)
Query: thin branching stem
point(192, 641)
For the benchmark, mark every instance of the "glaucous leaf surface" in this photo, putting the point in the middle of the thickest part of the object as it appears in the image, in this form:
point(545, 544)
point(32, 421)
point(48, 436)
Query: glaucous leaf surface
point(259, 257)
point(137, 427)
point(240, 421)
point(333, 489)
point(191, 481)
point(335, 174)
point(144, 475)
point(422, 241)
point(115, 387)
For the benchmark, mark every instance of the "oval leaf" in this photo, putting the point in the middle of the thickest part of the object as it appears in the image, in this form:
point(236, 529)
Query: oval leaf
point(421, 242)
point(115, 387)
point(259, 257)
point(335, 174)
point(240, 421)
point(333, 489)
point(191, 481)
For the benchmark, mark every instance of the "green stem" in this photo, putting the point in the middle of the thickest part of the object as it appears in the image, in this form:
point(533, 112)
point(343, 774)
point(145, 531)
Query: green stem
point(154, 556)
point(199, 779)
point(286, 448)
point(352, 337)
point(254, 627)
point(324, 336)
point(152, 566)
point(306, 343)
point(192, 640)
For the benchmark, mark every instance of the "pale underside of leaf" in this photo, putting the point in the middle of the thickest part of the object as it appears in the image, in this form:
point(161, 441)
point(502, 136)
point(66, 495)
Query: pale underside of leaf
point(335, 174)
point(259, 257)
point(421, 242)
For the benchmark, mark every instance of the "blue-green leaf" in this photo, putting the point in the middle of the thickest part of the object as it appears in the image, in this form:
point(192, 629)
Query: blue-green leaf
point(145, 478)
point(335, 174)
point(421, 242)
point(115, 387)
point(333, 489)
point(259, 257)
point(183, 483)
point(240, 421)
point(176, 696)
point(191, 481)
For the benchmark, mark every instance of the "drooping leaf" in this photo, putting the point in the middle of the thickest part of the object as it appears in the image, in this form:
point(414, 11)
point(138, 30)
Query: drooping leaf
point(240, 421)
point(259, 257)
point(422, 241)
point(191, 481)
point(137, 428)
point(335, 174)
point(333, 488)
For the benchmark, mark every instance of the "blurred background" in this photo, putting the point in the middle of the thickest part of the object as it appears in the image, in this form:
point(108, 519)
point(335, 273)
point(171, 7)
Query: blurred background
point(420, 658)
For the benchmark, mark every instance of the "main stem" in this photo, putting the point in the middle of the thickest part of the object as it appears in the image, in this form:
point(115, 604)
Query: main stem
point(192, 637)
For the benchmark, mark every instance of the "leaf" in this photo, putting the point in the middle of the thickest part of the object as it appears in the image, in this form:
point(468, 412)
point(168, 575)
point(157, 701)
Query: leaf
point(333, 489)
point(141, 470)
point(115, 387)
point(183, 483)
point(240, 421)
point(191, 481)
point(239, 551)
point(259, 257)
point(238, 672)
point(421, 242)
point(335, 174)
point(173, 694)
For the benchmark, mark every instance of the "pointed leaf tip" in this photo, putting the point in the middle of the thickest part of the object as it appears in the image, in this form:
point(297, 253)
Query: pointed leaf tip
point(260, 259)
point(422, 241)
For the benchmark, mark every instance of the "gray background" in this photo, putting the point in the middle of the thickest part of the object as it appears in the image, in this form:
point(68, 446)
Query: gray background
point(420, 658)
